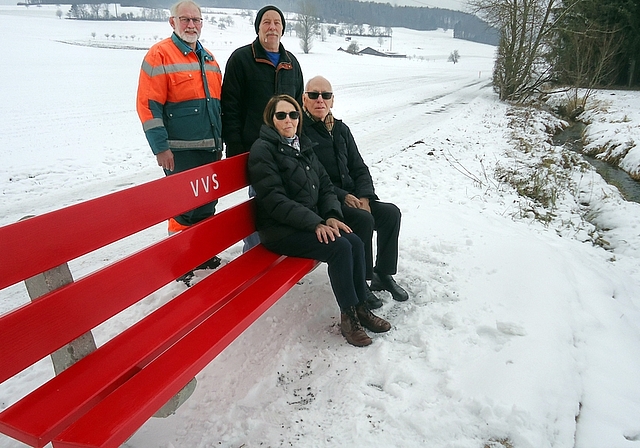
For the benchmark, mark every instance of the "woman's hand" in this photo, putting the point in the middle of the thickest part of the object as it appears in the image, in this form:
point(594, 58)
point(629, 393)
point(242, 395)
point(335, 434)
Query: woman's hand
point(329, 231)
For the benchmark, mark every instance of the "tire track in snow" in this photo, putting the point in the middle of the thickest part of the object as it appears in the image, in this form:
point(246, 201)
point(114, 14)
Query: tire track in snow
point(421, 107)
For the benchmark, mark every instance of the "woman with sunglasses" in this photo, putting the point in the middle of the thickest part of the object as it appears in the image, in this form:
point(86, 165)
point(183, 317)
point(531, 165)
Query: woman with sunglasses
point(298, 214)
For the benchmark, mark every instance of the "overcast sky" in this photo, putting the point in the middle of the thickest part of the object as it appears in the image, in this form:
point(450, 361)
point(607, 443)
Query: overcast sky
point(458, 5)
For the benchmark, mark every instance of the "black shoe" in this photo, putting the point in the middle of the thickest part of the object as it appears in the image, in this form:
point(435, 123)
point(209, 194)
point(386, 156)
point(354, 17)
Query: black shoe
point(372, 301)
point(385, 282)
point(210, 264)
point(186, 278)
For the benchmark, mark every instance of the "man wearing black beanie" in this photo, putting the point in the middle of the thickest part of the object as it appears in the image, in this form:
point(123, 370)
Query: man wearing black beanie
point(261, 13)
point(253, 74)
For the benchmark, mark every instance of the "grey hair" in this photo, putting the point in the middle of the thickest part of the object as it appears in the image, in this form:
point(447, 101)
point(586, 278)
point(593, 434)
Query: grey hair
point(174, 9)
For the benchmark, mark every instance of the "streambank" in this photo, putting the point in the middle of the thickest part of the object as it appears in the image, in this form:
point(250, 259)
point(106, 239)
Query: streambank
point(572, 138)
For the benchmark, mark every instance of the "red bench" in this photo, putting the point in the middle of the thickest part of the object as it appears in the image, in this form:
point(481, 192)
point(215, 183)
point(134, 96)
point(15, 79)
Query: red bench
point(102, 399)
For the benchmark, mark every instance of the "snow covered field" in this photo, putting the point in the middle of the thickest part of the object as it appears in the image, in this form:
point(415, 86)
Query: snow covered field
point(519, 333)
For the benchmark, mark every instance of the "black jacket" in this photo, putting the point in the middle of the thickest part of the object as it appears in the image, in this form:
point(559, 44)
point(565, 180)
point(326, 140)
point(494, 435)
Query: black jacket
point(340, 157)
point(293, 191)
point(250, 80)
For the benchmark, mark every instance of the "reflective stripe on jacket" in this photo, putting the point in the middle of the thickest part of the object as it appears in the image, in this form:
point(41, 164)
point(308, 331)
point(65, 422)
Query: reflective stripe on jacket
point(178, 97)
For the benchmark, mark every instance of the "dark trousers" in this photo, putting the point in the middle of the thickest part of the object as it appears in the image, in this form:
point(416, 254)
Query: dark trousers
point(186, 160)
point(344, 258)
point(385, 220)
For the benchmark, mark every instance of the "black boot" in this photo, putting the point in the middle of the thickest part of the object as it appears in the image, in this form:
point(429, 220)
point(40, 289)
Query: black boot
point(385, 282)
point(186, 278)
point(372, 301)
point(212, 263)
point(351, 328)
point(370, 321)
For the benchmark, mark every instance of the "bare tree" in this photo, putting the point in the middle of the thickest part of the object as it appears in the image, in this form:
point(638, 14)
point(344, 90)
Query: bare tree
point(307, 26)
point(526, 36)
point(95, 10)
point(589, 65)
point(585, 56)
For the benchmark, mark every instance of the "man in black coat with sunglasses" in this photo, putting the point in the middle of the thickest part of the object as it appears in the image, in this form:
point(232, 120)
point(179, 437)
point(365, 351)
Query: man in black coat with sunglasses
point(363, 212)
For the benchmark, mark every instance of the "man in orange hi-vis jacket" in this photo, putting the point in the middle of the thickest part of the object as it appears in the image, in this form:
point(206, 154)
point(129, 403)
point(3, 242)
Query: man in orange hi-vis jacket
point(178, 103)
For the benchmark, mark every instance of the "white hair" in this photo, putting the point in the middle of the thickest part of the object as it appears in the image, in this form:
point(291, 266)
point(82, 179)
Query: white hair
point(174, 9)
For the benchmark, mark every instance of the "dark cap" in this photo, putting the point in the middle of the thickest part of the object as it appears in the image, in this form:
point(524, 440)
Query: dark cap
point(261, 13)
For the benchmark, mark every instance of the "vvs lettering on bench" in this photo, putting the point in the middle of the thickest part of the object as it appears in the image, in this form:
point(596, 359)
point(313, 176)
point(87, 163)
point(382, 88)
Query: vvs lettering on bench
point(208, 183)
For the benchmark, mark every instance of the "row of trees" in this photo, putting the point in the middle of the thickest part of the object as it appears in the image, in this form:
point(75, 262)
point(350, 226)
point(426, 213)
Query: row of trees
point(376, 13)
point(102, 11)
point(579, 43)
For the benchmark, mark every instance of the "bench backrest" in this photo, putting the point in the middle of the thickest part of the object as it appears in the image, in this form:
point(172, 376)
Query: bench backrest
point(37, 244)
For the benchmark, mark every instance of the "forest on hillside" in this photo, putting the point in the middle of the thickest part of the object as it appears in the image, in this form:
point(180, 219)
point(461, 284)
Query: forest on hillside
point(383, 15)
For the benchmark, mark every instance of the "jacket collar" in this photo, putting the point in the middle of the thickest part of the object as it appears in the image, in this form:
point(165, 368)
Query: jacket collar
point(260, 54)
point(328, 122)
point(185, 49)
point(272, 136)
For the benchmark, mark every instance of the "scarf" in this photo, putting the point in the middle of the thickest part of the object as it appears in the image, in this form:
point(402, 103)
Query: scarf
point(328, 120)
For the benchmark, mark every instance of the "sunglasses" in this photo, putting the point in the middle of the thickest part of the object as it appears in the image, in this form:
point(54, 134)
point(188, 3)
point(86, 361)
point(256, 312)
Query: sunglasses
point(294, 115)
point(315, 95)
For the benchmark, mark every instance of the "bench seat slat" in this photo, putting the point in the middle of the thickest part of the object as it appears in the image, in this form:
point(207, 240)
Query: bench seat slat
point(35, 330)
point(48, 320)
point(68, 395)
point(114, 419)
point(49, 240)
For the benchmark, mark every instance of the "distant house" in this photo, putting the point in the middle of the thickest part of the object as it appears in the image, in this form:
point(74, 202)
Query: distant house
point(373, 52)
point(347, 51)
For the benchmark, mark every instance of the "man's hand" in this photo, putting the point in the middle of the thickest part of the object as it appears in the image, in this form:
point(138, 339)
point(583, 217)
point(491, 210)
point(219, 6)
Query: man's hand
point(165, 160)
point(352, 201)
point(364, 204)
point(329, 231)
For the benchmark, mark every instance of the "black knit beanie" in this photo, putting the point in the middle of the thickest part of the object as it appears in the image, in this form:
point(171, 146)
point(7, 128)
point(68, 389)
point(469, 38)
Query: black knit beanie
point(261, 13)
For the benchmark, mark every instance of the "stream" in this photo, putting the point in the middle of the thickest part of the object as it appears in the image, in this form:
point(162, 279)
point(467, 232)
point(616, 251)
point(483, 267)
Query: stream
point(571, 139)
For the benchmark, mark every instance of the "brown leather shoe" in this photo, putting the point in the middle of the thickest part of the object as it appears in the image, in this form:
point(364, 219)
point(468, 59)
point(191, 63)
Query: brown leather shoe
point(370, 321)
point(351, 328)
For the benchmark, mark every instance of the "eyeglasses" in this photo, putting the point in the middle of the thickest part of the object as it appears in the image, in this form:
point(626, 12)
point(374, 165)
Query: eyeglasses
point(294, 115)
point(186, 20)
point(315, 95)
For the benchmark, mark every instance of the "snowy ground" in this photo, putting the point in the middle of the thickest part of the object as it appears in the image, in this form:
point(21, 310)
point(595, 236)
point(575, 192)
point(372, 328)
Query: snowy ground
point(520, 332)
point(620, 147)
